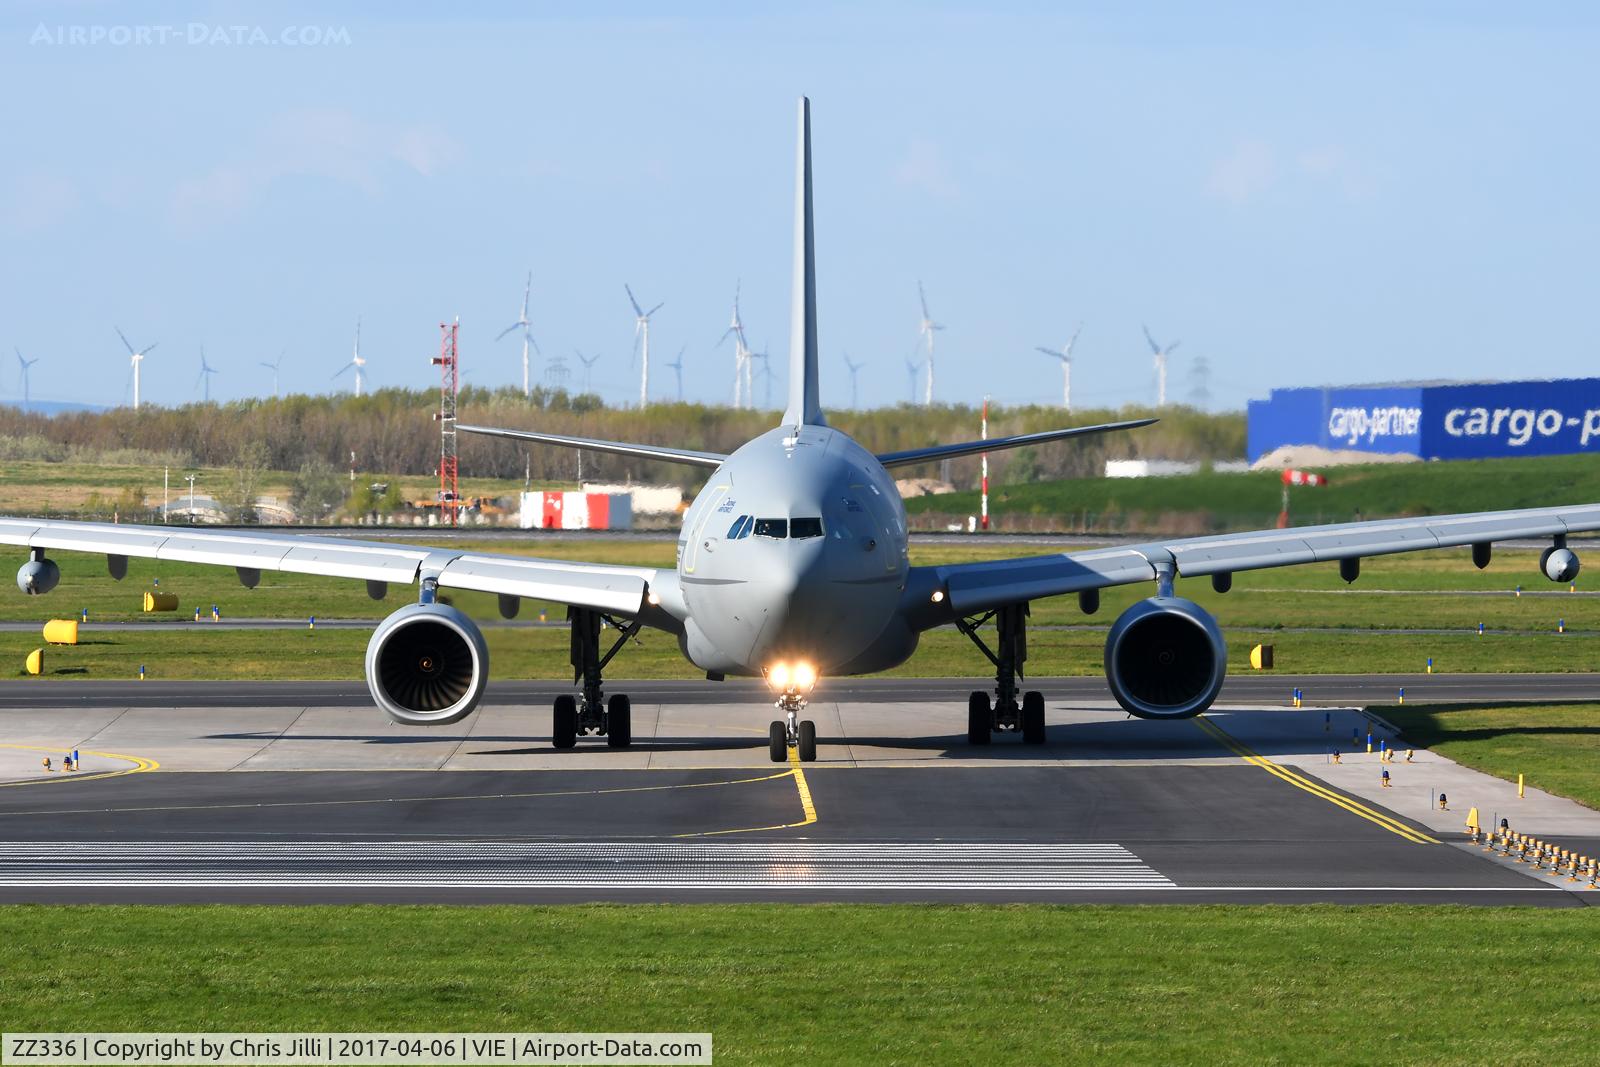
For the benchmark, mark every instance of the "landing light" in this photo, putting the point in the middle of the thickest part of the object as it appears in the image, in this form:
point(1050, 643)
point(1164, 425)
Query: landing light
point(783, 677)
point(938, 596)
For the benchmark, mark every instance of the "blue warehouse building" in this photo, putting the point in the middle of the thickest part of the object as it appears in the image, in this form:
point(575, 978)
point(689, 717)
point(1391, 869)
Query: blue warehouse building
point(1433, 420)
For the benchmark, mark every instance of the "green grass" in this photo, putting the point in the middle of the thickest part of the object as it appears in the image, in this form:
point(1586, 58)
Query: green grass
point(1556, 746)
point(541, 653)
point(36, 487)
point(1243, 501)
point(843, 984)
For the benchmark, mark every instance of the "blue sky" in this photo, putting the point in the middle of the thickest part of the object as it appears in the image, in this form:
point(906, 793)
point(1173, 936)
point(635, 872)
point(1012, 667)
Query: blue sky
point(1356, 192)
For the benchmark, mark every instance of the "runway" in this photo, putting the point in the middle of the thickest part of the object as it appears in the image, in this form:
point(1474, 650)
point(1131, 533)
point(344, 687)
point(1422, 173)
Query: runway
point(208, 793)
point(1331, 690)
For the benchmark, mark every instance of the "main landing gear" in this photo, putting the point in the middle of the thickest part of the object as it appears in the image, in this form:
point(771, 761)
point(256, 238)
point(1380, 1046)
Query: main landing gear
point(589, 712)
point(1005, 713)
point(792, 730)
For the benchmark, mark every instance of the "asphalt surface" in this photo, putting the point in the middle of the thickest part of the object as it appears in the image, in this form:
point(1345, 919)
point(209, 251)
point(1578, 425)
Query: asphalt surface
point(300, 792)
point(1190, 833)
point(1330, 690)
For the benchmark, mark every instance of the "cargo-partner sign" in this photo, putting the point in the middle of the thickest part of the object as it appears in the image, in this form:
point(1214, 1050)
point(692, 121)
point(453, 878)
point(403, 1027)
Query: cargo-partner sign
point(1445, 421)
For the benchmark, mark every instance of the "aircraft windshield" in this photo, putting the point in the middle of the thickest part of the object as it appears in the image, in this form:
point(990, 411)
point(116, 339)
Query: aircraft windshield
point(772, 528)
point(805, 527)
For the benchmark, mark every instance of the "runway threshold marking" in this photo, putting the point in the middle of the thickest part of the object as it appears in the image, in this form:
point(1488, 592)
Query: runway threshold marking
point(399, 800)
point(1316, 789)
point(808, 810)
point(140, 765)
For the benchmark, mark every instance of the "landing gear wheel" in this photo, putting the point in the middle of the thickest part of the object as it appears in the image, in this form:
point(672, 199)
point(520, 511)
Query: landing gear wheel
point(564, 729)
point(619, 721)
point(1033, 717)
point(980, 719)
point(808, 741)
point(778, 742)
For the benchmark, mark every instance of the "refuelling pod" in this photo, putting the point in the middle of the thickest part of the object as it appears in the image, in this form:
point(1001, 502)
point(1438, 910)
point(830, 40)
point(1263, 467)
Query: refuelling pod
point(1165, 659)
point(427, 665)
point(38, 576)
point(1559, 564)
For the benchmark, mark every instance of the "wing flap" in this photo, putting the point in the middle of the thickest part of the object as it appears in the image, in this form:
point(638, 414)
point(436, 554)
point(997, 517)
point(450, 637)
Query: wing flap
point(593, 585)
point(975, 587)
point(619, 589)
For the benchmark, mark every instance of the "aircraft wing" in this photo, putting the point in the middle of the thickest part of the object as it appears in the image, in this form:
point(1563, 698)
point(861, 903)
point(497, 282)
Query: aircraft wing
point(975, 587)
point(590, 585)
point(589, 444)
point(997, 444)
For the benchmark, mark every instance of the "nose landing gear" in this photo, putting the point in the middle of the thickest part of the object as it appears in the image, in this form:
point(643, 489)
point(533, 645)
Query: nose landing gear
point(792, 731)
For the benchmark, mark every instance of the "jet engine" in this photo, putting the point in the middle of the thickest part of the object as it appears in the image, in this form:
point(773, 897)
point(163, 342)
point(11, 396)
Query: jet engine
point(1165, 659)
point(427, 665)
point(38, 576)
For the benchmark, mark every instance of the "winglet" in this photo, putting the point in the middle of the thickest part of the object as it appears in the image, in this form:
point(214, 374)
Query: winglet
point(805, 407)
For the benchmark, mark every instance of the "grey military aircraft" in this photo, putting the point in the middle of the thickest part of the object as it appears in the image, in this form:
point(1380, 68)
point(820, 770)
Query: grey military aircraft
point(792, 566)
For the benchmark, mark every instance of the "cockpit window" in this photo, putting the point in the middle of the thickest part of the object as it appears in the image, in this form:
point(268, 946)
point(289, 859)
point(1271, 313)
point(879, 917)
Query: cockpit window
point(740, 528)
point(772, 528)
point(805, 527)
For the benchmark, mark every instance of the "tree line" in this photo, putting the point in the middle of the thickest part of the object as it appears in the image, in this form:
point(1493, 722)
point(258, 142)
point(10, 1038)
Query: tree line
point(395, 431)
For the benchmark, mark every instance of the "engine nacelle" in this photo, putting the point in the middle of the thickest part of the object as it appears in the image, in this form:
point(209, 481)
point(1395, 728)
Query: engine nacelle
point(427, 665)
point(38, 576)
point(1165, 659)
point(1559, 564)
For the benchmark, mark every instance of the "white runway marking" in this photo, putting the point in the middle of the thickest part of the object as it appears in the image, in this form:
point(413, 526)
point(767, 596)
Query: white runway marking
point(618, 865)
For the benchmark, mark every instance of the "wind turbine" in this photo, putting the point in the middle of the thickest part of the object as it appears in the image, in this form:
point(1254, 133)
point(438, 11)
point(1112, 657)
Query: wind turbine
point(588, 368)
point(273, 367)
point(927, 330)
point(206, 371)
point(527, 337)
point(766, 376)
point(1161, 355)
point(676, 366)
point(912, 367)
point(641, 333)
point(741, 355)
point(356, 361)
point(136, 358)
point(1064, 354)
point(853, 368)
point(26, 363)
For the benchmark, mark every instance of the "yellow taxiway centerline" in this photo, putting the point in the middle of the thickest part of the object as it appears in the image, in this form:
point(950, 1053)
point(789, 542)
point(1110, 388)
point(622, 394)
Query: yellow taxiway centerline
point(140, 765)
point(1299, 781)
point(808, 810)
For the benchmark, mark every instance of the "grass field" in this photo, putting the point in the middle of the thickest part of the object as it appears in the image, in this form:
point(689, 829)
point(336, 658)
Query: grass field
point(1556, 746)
point(843, 984)
point(541, 653)
point(36, 487)
point(1251, 500)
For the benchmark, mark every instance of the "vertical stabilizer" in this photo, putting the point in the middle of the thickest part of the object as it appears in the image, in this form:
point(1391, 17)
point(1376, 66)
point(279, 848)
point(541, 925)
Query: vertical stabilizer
point(805, 408)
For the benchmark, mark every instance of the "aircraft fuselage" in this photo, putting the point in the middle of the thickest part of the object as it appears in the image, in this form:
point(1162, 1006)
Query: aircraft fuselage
point(795, 550)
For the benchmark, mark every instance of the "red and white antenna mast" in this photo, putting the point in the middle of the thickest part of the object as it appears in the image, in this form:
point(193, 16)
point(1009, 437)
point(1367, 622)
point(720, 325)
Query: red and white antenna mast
point(449, 487)
point(983, 505)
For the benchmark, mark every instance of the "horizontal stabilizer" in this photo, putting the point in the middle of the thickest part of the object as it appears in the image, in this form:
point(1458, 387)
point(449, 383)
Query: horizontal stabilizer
point(999, 444)
point(620, 448)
